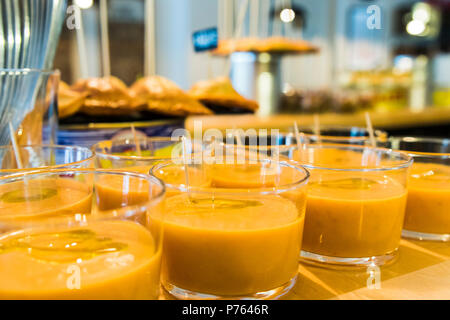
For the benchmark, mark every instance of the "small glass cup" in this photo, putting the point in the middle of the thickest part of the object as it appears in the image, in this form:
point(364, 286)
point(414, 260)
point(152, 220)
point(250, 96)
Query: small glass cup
point(44, 157)
point(126, 154)
point(356, 203)
point(428, 207)
point(236, 238)
point(79, 234)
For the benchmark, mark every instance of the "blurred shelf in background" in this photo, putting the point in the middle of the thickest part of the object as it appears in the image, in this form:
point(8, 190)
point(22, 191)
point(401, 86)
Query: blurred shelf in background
point(428, 122)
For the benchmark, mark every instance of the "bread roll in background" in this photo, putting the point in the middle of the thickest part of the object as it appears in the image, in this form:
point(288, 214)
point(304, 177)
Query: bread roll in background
point(220, 96)
point(69, 101)
point(105, 96)
point(160, 95)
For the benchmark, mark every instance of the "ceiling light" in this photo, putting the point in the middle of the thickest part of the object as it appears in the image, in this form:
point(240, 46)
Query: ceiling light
point(84, 4)
point(287, 15)
point(415, 27)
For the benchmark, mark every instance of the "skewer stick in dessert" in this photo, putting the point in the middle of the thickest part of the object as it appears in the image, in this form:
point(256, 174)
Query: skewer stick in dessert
point(185, 162)
point(15, 146)
point(298, 136)
point(274, 163)
point(372, 155)
point(370, 130)
point(317, 128)
point(136, 141)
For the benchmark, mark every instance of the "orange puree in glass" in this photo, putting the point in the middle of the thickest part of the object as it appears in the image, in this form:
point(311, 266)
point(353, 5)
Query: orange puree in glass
point(245, 176)
point(232, 245)
point(111, 260)
point(116, 191)
point(428, 207)
point(353, 217)
point(338, 158)
point(175, 175)
point(43, 198)
point(248, 176)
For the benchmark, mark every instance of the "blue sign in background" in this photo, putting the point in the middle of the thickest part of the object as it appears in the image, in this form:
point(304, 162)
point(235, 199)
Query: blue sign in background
point(205, 40)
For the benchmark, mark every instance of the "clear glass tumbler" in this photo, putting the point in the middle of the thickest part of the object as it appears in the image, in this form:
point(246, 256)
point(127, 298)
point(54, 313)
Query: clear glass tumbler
point(142, 154)
point(283, 142)
point(79, 234)
point(356, 203)
point(238, 237)
point(342, 135)
point(428, 208)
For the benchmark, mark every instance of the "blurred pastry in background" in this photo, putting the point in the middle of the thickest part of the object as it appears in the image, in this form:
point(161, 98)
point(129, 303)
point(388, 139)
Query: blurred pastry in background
point(220, 96)
point(160, 95)
point(390, 89)
point(105, 96)
point(282, 44)
point(69, 101)
point(149, 98)
point(321, 101)
point(270, 45)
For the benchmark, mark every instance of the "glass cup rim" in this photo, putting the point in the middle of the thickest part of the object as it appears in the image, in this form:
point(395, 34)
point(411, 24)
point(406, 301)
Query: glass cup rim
point(378, 134)
point(426, 140)
point(26, 71)
point(406, 163)
point(135, 158)
point(331, 139)
point(233, 191)
point(104, 216)
point(91, 156)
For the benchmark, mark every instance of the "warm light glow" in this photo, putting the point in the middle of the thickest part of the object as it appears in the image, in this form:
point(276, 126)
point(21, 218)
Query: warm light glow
point(403, 63)
point(287, 15)
point(421, 12)
point(415, 27)
point(84, 4)
point(264, 57)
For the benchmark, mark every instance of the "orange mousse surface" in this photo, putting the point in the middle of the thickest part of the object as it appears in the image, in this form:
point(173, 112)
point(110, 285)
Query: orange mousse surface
point(230, 245)
point(249, 176)
point(244, 176)
point(42, 198)
point(116, 191)
point(102, 260)
point(428, 207)
point(176, 175)
point(329, 157)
